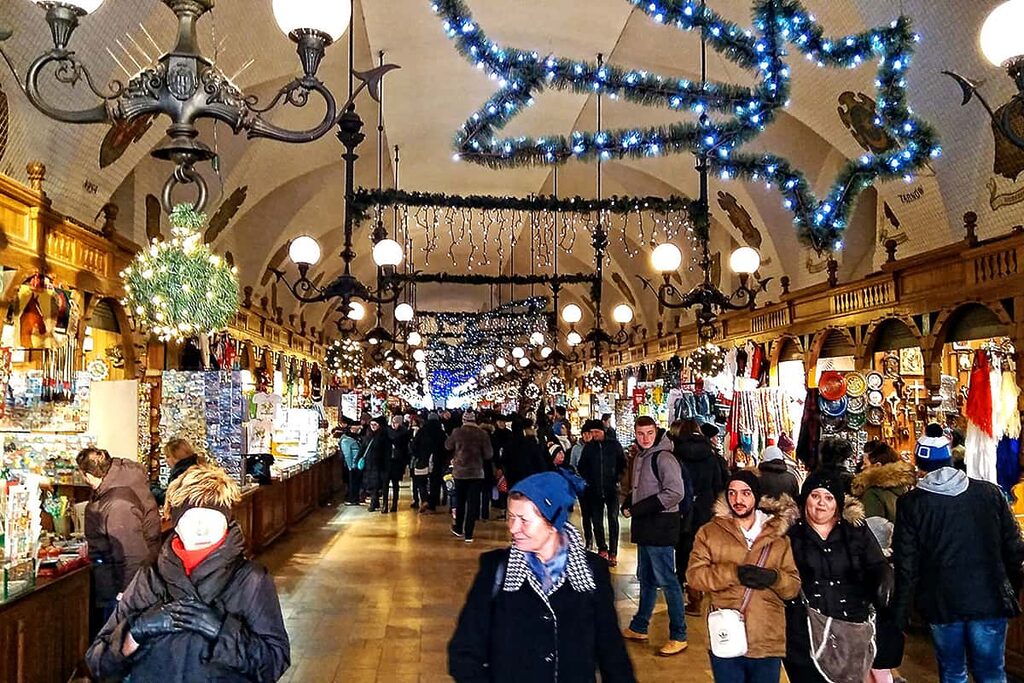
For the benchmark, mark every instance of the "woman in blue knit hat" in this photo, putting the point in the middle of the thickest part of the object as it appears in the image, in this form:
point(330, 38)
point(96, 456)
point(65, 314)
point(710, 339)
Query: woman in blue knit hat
point(542, 610)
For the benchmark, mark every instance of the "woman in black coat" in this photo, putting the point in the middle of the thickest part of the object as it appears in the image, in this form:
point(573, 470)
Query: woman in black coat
point(542, 610)
point(203, 612)
point(376, 446)
point(843, 572)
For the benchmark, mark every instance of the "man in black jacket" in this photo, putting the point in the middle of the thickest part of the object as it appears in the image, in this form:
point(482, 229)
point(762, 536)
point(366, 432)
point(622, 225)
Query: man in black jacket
point(430, 443)
point(203, 612)
point(957, 548)
point(601, 466)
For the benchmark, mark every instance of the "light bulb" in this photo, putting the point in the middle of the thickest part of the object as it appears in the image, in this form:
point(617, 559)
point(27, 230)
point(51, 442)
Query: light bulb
point(537, 338)
point(518, 352)
point(327, 16)
point(524, 362)
point(414, 339)
point(573, 338)
point(1001, 35)
point(421, 366)
point(622, 314)
point(666, 258)
point(545, 352)
point(572, 314)
point(489, 368)
point(419, 355)
point(501, 362)
point(404, 313)
point(387, 253)
point(304, 251)
point(356, 311)
point(85, 6)
point(745, 261)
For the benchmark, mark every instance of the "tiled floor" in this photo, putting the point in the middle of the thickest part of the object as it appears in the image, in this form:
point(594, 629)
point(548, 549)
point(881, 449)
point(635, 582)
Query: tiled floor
point(371, 597)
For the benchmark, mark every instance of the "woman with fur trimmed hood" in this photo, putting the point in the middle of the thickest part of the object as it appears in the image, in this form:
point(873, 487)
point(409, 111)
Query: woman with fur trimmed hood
point(843, 573)
point(203, 612)
point(884, 479)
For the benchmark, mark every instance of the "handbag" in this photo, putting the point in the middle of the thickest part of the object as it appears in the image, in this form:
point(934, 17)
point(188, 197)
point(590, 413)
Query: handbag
point(842, 651)
point(726, 628)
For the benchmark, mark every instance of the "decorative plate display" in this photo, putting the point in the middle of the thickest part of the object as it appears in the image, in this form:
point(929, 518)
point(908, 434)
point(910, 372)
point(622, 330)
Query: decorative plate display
point(832, 385)
point(832, 408)
point(856, 404)
point(875, 398)
point(98, 370)
point(856, 385)
point(875, 415)
point(856, 420)
point(874, 380)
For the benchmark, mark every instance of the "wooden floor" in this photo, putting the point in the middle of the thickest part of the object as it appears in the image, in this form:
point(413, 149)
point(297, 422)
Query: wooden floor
point(374, 598)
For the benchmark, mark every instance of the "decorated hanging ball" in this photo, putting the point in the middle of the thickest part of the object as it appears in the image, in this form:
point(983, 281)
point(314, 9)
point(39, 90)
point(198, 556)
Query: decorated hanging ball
point(178, 288)
point(345, 357)
point(531, 391)
point(555, 386)
point(707, 360)
point(379, 381)
point(597, 379)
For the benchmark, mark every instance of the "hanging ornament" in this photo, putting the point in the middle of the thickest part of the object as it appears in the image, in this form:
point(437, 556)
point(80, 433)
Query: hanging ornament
point(531, 391)
point(707, 360)
point(597, 379)
point(345, 357)
point(380, 381)
point(179, 288)
point(555, 386)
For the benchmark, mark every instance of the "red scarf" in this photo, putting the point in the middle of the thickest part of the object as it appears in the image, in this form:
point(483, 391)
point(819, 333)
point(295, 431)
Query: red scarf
point(979, 396)
point(191, 559)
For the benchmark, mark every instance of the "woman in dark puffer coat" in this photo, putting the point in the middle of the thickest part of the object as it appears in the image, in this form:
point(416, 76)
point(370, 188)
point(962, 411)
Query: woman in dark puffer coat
point(203, 612)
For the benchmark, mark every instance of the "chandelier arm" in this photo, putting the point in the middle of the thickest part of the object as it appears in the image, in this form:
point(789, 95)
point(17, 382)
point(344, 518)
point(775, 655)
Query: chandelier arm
point(69, 71)
point(295, 93)
point(300, 287)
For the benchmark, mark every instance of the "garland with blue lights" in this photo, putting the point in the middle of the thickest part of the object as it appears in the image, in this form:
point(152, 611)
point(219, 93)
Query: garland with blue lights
point(745, 112)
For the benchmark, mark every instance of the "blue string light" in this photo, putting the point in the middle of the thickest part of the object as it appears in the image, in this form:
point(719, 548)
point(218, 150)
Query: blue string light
point(742, 113)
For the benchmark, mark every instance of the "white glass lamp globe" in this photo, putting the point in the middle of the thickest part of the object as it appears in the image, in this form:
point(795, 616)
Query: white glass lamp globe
point(501, 362)
point(545, 352)
point(573, 338)
point(419, 355)
point(745, 261)
point(622, 314)
point(356, 311)
point(537, 338)
point(387, 253)
point(1002, 34)
point(327, 16)
point(666, 258)
point(304, 251)
point(518, 352)
point(489, 368)
point(421, 366)
point(404, 313)
point(414, 339)
point(572, 314)
point(523, 362)
point(86, 6)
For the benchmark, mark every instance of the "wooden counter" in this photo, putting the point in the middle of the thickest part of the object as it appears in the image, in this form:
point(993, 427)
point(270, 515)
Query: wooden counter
point(45, 632)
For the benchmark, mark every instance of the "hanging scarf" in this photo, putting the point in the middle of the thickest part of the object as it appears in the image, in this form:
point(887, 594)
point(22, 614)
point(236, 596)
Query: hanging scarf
point(1008, 414)
point(980, 442)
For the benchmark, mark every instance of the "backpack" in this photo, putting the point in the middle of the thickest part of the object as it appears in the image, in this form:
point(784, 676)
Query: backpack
point(689, 496)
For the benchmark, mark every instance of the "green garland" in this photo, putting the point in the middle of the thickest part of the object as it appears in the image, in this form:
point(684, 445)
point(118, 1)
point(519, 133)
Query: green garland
point(179, 288)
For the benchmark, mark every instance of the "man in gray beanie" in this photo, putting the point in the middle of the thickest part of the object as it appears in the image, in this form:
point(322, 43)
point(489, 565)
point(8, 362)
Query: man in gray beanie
point(470, 446)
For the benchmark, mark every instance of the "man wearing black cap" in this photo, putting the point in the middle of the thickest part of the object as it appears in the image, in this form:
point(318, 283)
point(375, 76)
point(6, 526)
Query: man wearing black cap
point(601, 465)
point(727, 562)
point(958, 551)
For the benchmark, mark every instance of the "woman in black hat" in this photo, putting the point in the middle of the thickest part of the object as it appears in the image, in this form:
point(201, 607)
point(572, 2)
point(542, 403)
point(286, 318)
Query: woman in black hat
point(843, 574)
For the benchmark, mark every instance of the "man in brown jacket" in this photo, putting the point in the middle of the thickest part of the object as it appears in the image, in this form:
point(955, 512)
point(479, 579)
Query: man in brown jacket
point(470, 446)
point(122, 526)
point(724, 565)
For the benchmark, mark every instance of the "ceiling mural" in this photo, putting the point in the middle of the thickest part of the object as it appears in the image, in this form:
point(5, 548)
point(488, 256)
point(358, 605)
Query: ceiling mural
point(267, 193)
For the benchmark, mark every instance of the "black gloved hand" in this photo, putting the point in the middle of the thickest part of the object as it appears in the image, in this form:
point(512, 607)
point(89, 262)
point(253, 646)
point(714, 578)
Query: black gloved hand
point(197, 617)
point(156, 621)
point(752, 576)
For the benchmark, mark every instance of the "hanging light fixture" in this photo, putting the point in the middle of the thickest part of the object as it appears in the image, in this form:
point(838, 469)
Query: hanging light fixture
point(404, 313)
point(414, 339)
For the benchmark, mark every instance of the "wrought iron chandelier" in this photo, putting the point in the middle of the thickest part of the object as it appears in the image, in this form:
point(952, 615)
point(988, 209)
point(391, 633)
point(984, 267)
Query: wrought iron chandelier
point(187, 86)
point(708, 300)
point(1003, 46)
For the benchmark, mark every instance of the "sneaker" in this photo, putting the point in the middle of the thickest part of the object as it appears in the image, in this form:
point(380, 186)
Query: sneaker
point(468, 540)
point(673, 647)
point(612, 561)
point(603, 554)
point(455, 532)
point(630, 634)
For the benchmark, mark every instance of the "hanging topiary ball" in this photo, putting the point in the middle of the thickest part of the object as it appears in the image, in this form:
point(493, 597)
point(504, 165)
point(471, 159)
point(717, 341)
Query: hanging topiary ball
point(178, 288)
point(707, 360)
point(597, 379)
point(531, 391)
point(555, 386)
point(345, 357)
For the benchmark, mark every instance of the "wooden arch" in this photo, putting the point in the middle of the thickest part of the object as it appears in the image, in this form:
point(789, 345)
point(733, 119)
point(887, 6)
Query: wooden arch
point(866, 352)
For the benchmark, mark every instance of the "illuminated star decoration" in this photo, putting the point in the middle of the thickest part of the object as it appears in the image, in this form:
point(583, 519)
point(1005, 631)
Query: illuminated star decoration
point(743, 112)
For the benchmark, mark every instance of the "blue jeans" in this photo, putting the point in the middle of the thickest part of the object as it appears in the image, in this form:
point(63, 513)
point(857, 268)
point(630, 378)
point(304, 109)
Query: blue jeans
point(746, 669)
point(657, 569)
point(982, 642)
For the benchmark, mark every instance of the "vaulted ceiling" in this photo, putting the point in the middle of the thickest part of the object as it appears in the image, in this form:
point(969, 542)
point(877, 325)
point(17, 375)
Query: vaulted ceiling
point(273, 192)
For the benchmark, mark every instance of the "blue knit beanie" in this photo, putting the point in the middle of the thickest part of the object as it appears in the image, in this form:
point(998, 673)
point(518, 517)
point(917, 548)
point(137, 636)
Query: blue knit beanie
point(932, 451)
point(554, 494)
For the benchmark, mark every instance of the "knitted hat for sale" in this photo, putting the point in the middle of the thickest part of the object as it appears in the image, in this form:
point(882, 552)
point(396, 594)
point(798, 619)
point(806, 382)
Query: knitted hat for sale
point(932, 450)
point(554, 494)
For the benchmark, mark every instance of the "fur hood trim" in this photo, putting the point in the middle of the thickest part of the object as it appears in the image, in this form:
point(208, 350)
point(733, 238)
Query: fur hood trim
point(853, 512)
point(783, 510)
point(894, 475)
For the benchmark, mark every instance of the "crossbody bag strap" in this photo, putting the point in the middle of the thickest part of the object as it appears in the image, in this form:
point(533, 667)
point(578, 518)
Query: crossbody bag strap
point(749, 593)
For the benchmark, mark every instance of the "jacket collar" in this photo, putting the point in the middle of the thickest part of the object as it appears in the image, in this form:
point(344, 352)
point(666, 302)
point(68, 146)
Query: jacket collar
point(893, 475)
point(577, 569)
point(783, 510)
